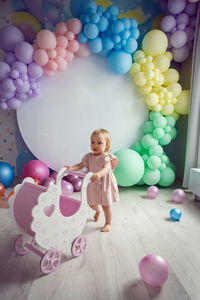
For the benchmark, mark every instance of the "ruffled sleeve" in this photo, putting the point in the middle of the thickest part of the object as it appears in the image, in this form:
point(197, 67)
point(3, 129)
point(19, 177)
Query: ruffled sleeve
point(85, 160)
point(112, 158)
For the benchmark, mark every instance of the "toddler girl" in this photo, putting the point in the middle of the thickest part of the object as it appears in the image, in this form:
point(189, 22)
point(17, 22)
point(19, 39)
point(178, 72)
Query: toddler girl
point(103, 189)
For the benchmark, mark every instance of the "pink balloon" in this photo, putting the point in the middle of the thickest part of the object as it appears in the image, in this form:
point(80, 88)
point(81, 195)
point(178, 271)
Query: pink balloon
point(61, 51)
point(83, 51)
point(178, 196)
point(35, 169)
point(48, 181)
point(73, 46)
point(154, 270)
point(61, 28)
point(74, 25)
point(70, 177)
point(51, 65)
point(41, 57)
point(67, 188)
point(48, 73)
point(69, 35)
point(62, 41)
point(52, 53)
point(54, 175)
point(77, 183)
point(46, 39)
point(180, 54)
point(61, 62)
point(69, 55)
point(152, 192)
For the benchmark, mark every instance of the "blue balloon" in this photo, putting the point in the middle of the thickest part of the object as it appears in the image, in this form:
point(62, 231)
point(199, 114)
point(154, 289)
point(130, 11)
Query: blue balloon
point(117, 26)
point(108, 43)
point(85, 19)
point(89, 6)
point(103, 24)
point(96, 45)
point(127, 23)
point(91, 31)
point(113, 10)
point(134, 33)
point(116, 38)
point(95, 18)
point(7, 174)
point(175, 214)
point(120, 62)
point(131, 45)
point(82, 38)
point(125, 34)
point(134, 23)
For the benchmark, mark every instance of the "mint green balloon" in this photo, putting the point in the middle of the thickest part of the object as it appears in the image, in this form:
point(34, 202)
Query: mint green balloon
point(148, 141)
point(164, 158)
point(145, 158)
point(147, 127)
point(162, 166)
point(154, 162)
point(167, 177)
point(158, 133)
point(171, 121)
point(173, 133)
point(141, 182)
point(156, 150)
point(172, 166)
point(160, 122)
point(154, 114)
point(151, 177)
point(138, 147)
point(165, 140)
point(167, 129)
point(130, 167)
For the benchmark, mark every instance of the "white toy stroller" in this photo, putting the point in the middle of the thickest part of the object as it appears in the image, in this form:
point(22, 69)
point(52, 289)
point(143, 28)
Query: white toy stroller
point(49, 219)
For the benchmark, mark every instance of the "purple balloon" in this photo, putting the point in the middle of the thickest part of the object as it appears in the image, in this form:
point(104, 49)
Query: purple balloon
point(9, 58)
point(182, 18)
point(178, 39)
point(24, 52)
point(24, 88)
point(191, 9)
point(21, 96)
point(181, 26)
point(176, 7)
point(152, 192)
point(168, 23)
point(3, 105)
point(70, 177)
point(4, 70)
point(192, 22)
point(190, 33)
point(54, 175)
point(9, 37)
point(178, 195)
point(4, 94)
point(20, 67)
point(13, 103)
point(14, 74)
point(48, 181)
point(77, 183)
point(18, 82)
point(35, 71)
point(180, 54)
point(8, 85)
point(67, 188)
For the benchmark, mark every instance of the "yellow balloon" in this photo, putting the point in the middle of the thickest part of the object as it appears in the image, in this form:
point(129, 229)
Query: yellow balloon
point(152, 99)
point(174, 100)
point(155, 42)
point(167, 109)
point(162, 101)
point(161, 95)
point(183, 103)
point(168, 95)
point(169, 55)
point(142, 60)
point(175, 88)
point(140, 79)
point(149, 58)
point(145, 90)
point(135, 69)
point(162, 62)
point(175, 115)
point(171, 76)
point(149, 74)
point(138, 54)
point(159, 79)
point(148, 66)
point(157, 107)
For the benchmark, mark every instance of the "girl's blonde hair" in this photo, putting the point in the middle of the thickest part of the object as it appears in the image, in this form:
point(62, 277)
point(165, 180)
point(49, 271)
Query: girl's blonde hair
point(106, 135)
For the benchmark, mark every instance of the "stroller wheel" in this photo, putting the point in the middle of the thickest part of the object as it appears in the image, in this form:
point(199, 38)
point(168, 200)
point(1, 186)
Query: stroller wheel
point(19, 249)
point(50, 261)
point(79, 245)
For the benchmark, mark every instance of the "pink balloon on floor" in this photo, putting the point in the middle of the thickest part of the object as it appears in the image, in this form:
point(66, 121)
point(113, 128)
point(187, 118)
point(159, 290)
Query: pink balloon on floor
point(154, 270)
point(67, 187)
point(152, 192)
point(178, 196)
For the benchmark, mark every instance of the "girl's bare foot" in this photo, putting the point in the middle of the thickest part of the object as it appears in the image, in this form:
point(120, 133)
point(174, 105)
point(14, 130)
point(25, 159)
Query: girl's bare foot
point(106, 228)
point(97, 215)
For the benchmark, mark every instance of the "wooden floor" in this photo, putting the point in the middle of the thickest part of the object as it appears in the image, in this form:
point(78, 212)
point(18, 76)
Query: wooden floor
point(108, 270)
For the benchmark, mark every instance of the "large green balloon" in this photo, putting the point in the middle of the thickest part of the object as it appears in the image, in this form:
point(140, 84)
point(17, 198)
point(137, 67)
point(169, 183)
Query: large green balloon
point(151, 177)
point(167, 177)
point(130, 168)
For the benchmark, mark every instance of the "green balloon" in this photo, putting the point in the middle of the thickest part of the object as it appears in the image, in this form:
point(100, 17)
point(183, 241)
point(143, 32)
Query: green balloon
point(162, 166)
point(138, 147)
point(171, 121)
point(148, 127)
point(151, 177)
point(167, 177)
point(154, 114)
point(164, 159)
point(154, 162)
point(168, 129)
point(172, 166)
point(141, 182)
point(160, 122)
point(130, 167)
point(165, 140)
point(145, 158)
point(156, 150)
point(148, 141)
point(158, 133)
point(173, 133)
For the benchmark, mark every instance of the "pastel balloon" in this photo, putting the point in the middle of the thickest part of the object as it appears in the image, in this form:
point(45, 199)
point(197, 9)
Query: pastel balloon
point(162, 62)
point(155, 42)
point(24, 52)
point(67, 187)
point(96, 45)
point(41, 57)
point(35, 71)
point(167, 177)
point(178, 39)
point(9, 37)
point(180, 54)
point(176, 7)
point(61, 28)
point(46, 39)
point(4, 70)
point(183, 104)
point(9, 58)
point(74, 25)
point(182, 18)
point(83, 50)
point(61, 41)
point(119, 62)
point(168, 23)
point(73, 46)
point(154, 270)
point(131, 45)
point(91, 31)
point(175, 88)
point(178, 195)
point(152, 192)
point(51, 65)
point(171, 76)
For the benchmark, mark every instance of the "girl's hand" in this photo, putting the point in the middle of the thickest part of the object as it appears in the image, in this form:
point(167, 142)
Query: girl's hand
point(95, 177)
point(69, 168)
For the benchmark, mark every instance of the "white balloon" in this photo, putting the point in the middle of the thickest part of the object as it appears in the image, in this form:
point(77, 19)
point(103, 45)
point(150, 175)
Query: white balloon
point(56, 126)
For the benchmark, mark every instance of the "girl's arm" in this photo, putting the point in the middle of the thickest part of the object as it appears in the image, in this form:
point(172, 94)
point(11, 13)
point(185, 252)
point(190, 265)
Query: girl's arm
point(75, 167)
point(96, 176)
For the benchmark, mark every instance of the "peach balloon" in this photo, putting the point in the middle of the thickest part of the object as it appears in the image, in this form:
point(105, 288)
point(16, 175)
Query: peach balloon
point(46, 39)
point(74, 25)
point(48, 73)
point(52, 53)
point(62, 63)
point(61, 51)
point(69, 35)
point(83, 50)
point(61, 28)
point(69, 55)
point(51, 65)
point(73, 45)
point(62, 41)
point(41, 57)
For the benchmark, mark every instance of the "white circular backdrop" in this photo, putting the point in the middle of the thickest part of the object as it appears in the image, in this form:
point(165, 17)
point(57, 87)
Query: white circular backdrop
point(56, 126)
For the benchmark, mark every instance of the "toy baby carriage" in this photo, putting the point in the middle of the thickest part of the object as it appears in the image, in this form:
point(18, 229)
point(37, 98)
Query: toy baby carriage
point(47, 218)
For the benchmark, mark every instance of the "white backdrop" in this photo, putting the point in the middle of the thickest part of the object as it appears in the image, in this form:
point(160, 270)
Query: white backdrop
point(56, 126)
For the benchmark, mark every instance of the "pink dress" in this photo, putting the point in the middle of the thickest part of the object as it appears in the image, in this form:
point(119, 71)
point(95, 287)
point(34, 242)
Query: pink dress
point(104, 191)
